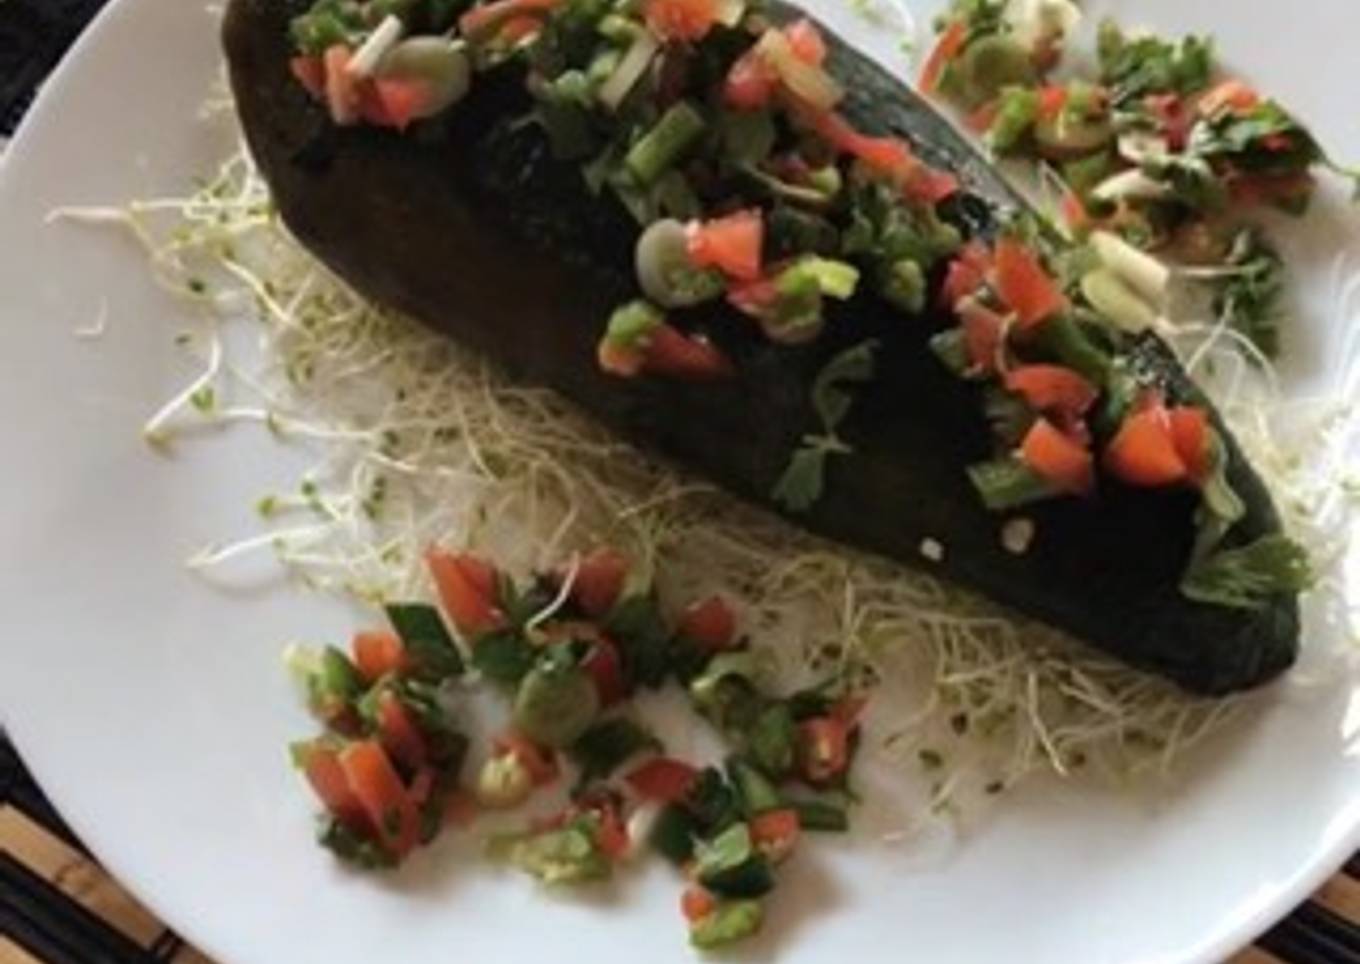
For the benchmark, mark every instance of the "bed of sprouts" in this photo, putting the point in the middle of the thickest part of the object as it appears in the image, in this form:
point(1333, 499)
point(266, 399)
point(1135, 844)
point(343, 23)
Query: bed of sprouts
point(417, 441)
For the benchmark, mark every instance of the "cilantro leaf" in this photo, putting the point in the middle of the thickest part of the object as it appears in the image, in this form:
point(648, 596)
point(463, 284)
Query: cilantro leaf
point(644, 641)
point(1246, 577)
point(607, 745)
point(1249, 298)
point(1134, 67)
point(830, 395)
point(801, 484)
point(503, 657)
point(799, 488)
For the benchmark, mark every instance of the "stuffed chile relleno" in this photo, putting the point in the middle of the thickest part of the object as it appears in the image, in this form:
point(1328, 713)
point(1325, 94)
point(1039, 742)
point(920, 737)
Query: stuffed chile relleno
point(482, 222)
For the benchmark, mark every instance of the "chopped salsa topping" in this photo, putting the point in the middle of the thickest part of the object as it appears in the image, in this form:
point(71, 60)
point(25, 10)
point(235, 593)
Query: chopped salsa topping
point(724, 135)
point(568, 651)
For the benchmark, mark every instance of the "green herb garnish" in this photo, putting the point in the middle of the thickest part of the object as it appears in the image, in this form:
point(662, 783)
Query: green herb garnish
point(1248, 576)
point(801, 485)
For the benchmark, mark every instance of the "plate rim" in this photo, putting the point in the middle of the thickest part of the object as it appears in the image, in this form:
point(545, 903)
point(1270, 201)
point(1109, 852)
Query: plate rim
point(1322, 863)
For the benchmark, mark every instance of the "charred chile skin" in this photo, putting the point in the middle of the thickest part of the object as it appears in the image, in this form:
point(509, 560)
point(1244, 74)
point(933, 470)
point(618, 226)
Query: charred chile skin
point(469, 225)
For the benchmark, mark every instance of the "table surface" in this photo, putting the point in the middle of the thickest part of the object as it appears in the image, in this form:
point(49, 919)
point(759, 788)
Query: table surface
point(58, 906)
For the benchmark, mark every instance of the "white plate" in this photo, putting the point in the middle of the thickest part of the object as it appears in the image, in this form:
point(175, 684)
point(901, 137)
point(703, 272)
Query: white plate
point(153, 710)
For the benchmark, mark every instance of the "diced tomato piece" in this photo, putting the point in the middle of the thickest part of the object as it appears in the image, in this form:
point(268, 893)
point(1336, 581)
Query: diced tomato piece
point(687, 20)
point(489, 16)
point(1172, 118)
point(945, 50)
point(672, 354)
point(311, 74)
point(848, 709)
point(806, 41)
point(460, 809)
point(930, 186)
point(750, 83)
point(733, 244)
point(400, 735)
point(378, 787)
point(599, 581)
point(710, 623)
point(398, 100)
point(321, 765)
point(1074, 213)
point(1049, 388)
point(611, 835)
point(467, 590)
point(378, 652)
point(1190, 433)
point(1283, 189)
point(983, 333)
point(539, 761)
point(615, 359)
point(1052, 100)
point(606, 670)
point(887, 155)
point(518, 28)
point(775, 833)
point(1024, 285)
point(824, 750)
point(967, 273)
point(1059, 458)
point(342, 95)
point(422, 785)
point(696, 903)
point(1231, 95)
point(662, 779)
point(1143, 452)
point(980, 121)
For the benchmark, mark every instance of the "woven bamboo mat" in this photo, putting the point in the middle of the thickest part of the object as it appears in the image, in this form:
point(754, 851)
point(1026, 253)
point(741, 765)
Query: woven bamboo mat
point(58, 906)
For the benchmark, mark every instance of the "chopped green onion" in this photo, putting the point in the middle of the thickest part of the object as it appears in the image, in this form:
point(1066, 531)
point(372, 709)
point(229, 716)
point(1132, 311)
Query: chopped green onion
point(619, 29)
point(1064, 338)
point(665, 272)
point(729, 922)
point(630, 70)
point(904, 285)
point(755, 791)
point(632, 324)
point(1117, 302)
point(951, 348)
point(674, 134)
point(1008, 484)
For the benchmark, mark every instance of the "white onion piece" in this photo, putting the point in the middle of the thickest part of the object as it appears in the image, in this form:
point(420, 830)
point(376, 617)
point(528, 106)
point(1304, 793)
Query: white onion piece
point(366, 59)
point(441, 64)
point(1137, 147)
point(730, 12)
point(1138, 269)
point(630, 69)
point(1130, 184)
point(1117, 302)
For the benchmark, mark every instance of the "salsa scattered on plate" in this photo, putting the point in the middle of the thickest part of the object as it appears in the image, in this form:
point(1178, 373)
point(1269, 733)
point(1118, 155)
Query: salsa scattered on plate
point(568, 652)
